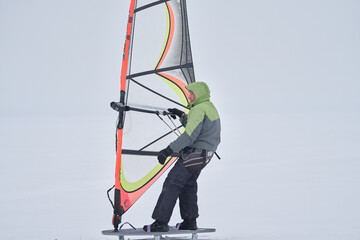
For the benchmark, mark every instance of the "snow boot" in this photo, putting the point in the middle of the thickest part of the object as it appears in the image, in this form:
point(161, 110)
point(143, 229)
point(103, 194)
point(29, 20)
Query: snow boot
point(187, 224)
point(156, 227)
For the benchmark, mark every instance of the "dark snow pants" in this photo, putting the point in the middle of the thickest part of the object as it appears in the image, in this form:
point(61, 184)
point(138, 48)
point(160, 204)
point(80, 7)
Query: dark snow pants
point(180, 183)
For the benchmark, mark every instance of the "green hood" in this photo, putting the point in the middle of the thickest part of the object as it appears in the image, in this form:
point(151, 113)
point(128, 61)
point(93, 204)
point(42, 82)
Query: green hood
point(201, 91)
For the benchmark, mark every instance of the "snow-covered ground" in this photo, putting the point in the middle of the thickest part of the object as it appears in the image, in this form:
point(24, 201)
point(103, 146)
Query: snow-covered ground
point(284, 76)
point(280, 177)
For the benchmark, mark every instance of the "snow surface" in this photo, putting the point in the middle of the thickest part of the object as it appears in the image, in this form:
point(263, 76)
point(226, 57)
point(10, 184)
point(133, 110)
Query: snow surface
point(284, 76)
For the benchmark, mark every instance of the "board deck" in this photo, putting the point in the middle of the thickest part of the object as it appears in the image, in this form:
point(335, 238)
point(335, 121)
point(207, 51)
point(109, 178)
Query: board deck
point(157, 235)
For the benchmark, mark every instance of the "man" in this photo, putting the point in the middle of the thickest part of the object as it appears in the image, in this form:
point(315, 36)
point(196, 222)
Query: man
point(196, 147)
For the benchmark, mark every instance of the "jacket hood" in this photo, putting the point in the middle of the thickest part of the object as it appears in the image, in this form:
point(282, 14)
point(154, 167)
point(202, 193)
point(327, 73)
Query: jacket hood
point(201, 91)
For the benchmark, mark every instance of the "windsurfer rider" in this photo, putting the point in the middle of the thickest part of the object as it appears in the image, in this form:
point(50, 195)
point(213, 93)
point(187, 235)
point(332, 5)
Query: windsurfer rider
point(196, 147)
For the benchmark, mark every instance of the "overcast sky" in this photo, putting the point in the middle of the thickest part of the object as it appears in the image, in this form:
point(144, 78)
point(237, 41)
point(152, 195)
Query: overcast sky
point(271, 55)
point(284, 75)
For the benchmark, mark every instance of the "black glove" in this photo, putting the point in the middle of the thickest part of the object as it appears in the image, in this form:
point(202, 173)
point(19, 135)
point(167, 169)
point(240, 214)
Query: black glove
point(164, 154)
point(176, 111)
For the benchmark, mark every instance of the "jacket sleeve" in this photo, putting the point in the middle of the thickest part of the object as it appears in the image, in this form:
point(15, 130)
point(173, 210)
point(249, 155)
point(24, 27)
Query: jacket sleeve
point(192, 130)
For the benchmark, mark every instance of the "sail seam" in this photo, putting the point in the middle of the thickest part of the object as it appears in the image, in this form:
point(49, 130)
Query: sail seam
point(167, 39)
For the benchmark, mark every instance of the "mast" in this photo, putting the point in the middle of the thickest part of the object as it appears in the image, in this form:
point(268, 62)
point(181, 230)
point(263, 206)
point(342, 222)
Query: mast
point(118, 210)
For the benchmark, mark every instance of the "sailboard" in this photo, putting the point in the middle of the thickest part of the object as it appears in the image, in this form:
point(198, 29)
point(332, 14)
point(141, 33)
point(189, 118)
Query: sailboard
point(173, 232)
point(156, 66)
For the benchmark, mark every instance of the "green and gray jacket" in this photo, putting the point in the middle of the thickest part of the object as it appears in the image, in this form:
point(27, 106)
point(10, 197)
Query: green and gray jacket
point(202, 123)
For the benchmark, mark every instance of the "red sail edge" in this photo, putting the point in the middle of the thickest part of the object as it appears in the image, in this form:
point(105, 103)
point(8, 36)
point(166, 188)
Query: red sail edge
point(118, 209)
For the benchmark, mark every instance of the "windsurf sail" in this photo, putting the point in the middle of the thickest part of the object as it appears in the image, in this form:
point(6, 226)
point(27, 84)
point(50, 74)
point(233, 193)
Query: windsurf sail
point(156, 66)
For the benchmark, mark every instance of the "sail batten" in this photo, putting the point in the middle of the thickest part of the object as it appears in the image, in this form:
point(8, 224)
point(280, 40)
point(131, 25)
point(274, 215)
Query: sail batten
point(184, 66)
point(150, 5)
